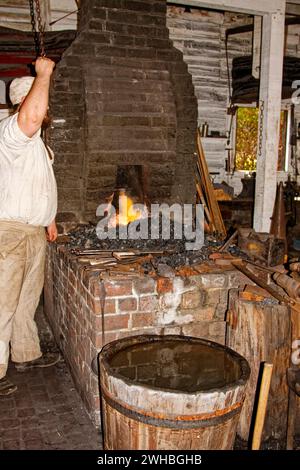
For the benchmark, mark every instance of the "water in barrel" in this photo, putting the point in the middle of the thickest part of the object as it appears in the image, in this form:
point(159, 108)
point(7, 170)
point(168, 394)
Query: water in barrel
point(181, 366)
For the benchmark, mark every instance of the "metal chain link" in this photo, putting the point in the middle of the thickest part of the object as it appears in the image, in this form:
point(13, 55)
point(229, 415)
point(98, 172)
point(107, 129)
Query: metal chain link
point(34, 31)
point(41, 29)
point(261, 126)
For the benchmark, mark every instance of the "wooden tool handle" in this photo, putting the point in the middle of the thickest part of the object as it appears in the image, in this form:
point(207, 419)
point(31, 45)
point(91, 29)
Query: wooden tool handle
point(262, 405)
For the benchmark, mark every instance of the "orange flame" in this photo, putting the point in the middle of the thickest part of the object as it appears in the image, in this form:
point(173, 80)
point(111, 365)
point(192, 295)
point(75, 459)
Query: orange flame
point(127, 213)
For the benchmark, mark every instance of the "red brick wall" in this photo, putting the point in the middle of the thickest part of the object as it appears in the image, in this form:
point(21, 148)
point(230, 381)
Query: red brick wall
point(194, 306)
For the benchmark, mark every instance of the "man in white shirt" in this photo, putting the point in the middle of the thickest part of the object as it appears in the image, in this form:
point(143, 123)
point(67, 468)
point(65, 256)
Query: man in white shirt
point(28, 205)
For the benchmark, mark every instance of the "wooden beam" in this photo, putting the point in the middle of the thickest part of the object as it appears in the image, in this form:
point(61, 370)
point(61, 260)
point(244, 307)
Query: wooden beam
point(245, 28)
point(268, 141)
point(255, 7)
point(248, 28)
point(293, 9)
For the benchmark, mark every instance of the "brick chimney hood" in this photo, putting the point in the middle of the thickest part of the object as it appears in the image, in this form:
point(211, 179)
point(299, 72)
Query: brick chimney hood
point(122, 95)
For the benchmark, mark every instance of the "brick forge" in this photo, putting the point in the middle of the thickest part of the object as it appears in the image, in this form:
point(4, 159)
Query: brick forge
point(121, 95)
point(193, 305)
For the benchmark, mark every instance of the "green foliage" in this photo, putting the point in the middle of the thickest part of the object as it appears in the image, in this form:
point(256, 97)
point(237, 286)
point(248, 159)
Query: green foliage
point(246, 139)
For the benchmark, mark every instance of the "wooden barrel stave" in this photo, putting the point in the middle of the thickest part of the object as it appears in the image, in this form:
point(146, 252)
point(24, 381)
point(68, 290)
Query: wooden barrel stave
point(139, 417)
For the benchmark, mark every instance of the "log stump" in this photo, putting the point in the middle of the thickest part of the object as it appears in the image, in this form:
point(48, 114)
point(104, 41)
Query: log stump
point(261, 332)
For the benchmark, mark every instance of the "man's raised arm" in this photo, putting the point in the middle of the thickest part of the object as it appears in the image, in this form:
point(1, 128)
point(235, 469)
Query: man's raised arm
point(34, 107)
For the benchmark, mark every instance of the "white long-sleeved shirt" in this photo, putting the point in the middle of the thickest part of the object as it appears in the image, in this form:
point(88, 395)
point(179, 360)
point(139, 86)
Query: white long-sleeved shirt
point(28, 191)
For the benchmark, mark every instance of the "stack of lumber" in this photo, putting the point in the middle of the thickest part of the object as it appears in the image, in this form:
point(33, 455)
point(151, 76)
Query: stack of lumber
point(206, 195)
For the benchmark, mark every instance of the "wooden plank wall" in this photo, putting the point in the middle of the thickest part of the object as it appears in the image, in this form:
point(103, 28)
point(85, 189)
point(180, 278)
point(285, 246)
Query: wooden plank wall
point(59, 8)
point(16, 14)
point(200, 35)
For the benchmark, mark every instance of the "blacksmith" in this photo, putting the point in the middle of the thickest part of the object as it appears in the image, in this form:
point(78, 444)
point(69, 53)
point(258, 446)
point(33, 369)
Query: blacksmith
point(28, 204)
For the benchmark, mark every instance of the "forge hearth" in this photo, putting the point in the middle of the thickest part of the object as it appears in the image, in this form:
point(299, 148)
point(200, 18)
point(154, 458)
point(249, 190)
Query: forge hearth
point(79, 298)
point(122, 95)
point(133, 180)
point(173, 251)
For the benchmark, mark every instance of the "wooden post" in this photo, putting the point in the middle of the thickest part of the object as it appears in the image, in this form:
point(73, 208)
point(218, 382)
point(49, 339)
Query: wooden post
point(268, 134)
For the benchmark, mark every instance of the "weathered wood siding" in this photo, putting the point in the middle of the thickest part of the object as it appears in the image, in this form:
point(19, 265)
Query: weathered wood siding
point(200, 35)
point(16, 14)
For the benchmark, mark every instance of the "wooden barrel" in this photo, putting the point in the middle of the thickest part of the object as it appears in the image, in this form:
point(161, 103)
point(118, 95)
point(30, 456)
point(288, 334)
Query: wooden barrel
point(170, 392)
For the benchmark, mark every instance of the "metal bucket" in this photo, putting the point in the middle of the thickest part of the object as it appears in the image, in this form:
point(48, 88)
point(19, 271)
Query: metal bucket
point(170, 392)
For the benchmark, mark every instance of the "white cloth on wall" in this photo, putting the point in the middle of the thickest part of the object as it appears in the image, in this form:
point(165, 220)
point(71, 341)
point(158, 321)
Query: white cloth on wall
point(28, 190)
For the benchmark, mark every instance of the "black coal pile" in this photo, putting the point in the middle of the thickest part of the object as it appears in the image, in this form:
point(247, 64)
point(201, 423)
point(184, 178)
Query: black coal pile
point(174, 251)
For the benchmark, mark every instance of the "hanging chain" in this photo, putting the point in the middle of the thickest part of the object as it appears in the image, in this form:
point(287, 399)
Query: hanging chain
point(36, 19)
point(261, 126)
point(34, 31)
point(41, 29)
